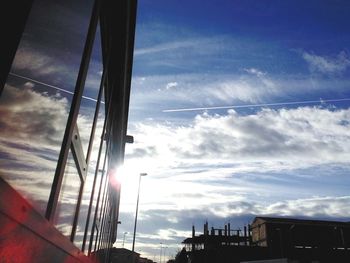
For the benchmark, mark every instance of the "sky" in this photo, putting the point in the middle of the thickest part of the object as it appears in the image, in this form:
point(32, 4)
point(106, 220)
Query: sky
point(238, 109)
point(239, 161)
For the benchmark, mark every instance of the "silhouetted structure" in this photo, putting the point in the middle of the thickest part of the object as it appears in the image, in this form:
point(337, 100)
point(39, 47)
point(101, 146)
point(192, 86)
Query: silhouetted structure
point(303, 239)
point(222, 245)
point(145, 260)
point(218, 237)
point(121, 255)
point(295, 240)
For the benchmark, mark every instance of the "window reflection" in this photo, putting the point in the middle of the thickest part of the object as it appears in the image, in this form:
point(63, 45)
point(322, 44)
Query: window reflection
point(36, 99)
point(90, 95)
point(68, 198)
point(32, 127)
point(88, 187)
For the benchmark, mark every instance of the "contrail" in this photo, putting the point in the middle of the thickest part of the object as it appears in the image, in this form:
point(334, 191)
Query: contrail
point(51, 86)
point(258, 105)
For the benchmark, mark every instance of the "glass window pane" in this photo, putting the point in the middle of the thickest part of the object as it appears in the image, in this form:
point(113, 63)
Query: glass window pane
point(68, 198)
point(35, 102)
point(88, 184)
point(92, 86)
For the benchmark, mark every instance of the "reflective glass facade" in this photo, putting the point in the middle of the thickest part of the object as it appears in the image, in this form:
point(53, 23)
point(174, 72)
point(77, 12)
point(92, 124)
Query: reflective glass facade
point(63, 126)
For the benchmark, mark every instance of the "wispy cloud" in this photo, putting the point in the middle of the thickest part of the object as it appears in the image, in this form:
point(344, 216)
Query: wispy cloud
point(327, 64)
point(215, 90)
point(188, 45)
point(205, 89)
point(166, 47)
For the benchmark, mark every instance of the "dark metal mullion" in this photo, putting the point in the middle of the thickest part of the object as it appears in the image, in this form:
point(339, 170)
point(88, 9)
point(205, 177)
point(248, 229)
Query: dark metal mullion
point(73, 114)
point(98, 162)
point(103, 238)
point(97, 232)
point(98, 199)
point(92, 135)
point(109, 102)
point(78, 153)
point(94, 183)
point(97, 236)
point(112, 229)
point(104, 208)
point(110, 237)
point(97, 109)
point(104, 196)
point(93, 187)
point(101, 216)
point(109, 109)
point(76, 215)
point(82, 172)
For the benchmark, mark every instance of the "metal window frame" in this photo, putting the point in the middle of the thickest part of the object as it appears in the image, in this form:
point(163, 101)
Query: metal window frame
point(73, 114)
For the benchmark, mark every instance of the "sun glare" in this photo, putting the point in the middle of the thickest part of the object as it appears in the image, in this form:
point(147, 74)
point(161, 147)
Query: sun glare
point(128, 176)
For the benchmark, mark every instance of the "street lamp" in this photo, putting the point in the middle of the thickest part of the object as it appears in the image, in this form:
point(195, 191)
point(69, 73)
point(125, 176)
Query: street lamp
point(164, 252)
point(160, 254)
point(137, 208)
point(124, 238)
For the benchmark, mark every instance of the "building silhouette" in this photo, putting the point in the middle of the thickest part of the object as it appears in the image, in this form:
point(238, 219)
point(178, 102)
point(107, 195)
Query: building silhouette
point(268, 238)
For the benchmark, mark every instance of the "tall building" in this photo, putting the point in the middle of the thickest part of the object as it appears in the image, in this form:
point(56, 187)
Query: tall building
point(63, 132)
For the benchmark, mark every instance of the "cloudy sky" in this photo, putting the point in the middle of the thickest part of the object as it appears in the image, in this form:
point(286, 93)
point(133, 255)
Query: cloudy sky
point(238, 109)
point(265, 85)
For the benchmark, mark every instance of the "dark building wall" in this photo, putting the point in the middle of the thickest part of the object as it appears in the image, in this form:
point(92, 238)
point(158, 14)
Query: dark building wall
point(303, 239)
point(11, 32)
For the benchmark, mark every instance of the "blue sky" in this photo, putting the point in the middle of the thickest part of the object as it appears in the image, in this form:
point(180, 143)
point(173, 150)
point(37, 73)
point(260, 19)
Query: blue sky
point(223, 165)
point(228, 165)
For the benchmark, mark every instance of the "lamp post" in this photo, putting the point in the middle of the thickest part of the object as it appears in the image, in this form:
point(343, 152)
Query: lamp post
point(164, 252)
point(137, 208)
point(160, 254)
point(124, 238)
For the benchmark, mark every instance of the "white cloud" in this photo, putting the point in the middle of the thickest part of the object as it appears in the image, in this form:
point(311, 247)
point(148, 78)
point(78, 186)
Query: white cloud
point(317, 206)
point(40, 63)
point(287, 162)
point(327, 206)
point(171, 85)
point(30, 116)
point(32, 128)
point(255, 71)
point(298, 137)
point(337, 64)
